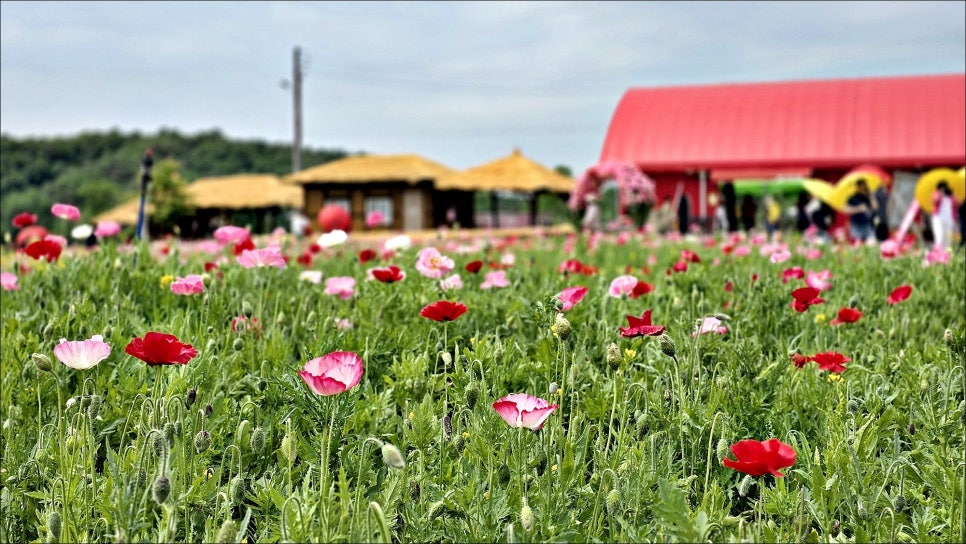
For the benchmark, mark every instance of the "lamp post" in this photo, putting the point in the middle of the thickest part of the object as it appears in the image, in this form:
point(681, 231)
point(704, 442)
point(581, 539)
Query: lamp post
point(146, 163)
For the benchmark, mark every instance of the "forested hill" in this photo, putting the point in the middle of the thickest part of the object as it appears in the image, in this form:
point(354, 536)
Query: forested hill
point(98, 170)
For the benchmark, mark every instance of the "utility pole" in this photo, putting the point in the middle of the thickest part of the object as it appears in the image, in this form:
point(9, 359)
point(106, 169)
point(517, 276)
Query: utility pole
point(297, 108)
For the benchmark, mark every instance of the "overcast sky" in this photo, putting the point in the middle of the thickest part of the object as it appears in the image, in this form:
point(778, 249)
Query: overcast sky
point(460, 83)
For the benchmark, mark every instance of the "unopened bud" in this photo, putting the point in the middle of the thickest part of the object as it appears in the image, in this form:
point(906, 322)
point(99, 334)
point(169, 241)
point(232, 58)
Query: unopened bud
point(948, 336)
point(460, 442)
point(202, 441)
point(238, 344)
point(861, 510)
point(157, 442)
point(721, 450)
point(393, 457)
point(414, 490)
point(472, 395)
point(614, 356)
point(288, 448)
point(612, 501)
point(667, 346)
point(94, 408)
point(526, 517)
point(247, 309)
point(745, 485)
point(447, 426)
point(561, 327)
point(553, 388)
point(47, 332)
point(170, 431)
point(853, 301)
point(161, 489)
point(899, 503)
point(227, 533)
point(54, 526)
point(258, 440)
point(237, 490)
point(42, 362)
point(447, 359)
point(190, 398)
point(435, 510)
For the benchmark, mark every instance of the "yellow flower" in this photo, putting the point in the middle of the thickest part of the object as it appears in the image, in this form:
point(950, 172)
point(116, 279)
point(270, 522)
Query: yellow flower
point(629, 354)
point(553, 468)
point(412, 415)
point(466, 435)
point(166, 280)
point(486, 494)
point(820, 318)
point(832, 378)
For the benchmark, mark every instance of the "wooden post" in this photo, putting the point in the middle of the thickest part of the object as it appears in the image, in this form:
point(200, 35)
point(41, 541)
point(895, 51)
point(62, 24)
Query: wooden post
point(494, 209)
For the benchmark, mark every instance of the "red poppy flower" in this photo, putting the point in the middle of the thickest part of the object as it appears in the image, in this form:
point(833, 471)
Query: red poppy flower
point(390, 274)
point(24, 219)
point(443, 310)
point(680, 266)
point(795, 272)
point(805, 297)
point(367, 255)
point(242, 246)
point(728, 287)
point(47, 249)
point(473, 267)
point(690, 256)
point(899, 294)
point(641, 288)
point(314, 248)
point(800, 360)
point(305, 259)
point(760, 458)
point(157, 348)
point(641, 326)
point(832, 361)
point(846, 315)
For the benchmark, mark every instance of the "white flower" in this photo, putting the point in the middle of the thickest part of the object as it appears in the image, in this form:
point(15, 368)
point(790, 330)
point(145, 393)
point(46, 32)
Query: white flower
point(332, 238)
point(398, 243)
point(313, 276)
point(81, 232)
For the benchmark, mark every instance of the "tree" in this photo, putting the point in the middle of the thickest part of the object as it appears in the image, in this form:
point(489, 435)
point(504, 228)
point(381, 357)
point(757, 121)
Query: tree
point(168, 195)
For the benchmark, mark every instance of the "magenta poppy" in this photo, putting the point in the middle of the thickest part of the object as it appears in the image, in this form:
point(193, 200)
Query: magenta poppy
point(760, 458)
point(520, 410)
point(443, 310)
point(794, 272)
point(192, 284)
point(899, 294)
point(570, 296)
point(157, 348)
point(641, 326)
point(65, 211)
point(334, 373)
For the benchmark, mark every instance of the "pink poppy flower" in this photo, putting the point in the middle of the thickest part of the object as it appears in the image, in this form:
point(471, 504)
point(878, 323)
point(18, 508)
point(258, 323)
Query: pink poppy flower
point(819, 280)
point(622, 286)
point(432, 264)
point(780, 256)
point(342, 324)
point(258, 258)
point(192, 284)
point(106, 229)
point(65, 211)
point(82, 354)
point(889, 249)
point(520, 410)
point(793, 272)
point(571, 296)
point(334, 373)
point(374, 219)
point(342, 286)
point(452, 282)
point(230, 234)
point(494, 279)
point(899, 294)
point(741, 251)
point(8, 281)
point(758, 239)
point(709, 324)
point(936, 255)
point(812, 254)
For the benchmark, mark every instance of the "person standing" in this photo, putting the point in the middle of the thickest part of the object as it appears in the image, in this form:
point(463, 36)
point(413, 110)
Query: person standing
point(881, 219)
point(773, 214)
point(748, 211)
point(861, 207)
point(591, 221)
point(943, 220)
point(730, 205)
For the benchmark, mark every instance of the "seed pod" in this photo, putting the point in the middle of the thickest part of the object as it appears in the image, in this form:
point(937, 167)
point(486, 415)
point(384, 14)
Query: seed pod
point(258, 440)
point(202, 441)
point(42, 362)
point(54, 526)
point(161, 489)
point(612, 501)
point(227, 533)
point(472, 395)
point(393, 457)
point(237, 489)
point(526, 517)
point(745, 485)
point(667, 346)
point(614, 358)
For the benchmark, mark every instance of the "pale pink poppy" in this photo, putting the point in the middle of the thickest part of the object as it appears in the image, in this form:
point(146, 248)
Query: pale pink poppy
point(622, 286)
point(741, 251)
point(342, 324)
point(819, 280)
point(82, 354)
point(520, 410)
point(780, 256)
point(812, 254)
point(8, 281)
point(709, 324)
point(106, 229)
point(495, 279)
point(432, 264)
point(341, 286)
point(334, 373)
point(230, 234)
point(452, 282)
point(257, 258)
point(936, 255)
point(758, 239)
point(65, 211)
point(571, 296)
point(508, 259)
point(192, 284)
point(889, 249)
point(769, 248)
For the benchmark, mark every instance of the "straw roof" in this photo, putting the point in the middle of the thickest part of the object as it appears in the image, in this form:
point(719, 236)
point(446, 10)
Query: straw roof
point(224, 193)
point(371, 168)
point(512, 173)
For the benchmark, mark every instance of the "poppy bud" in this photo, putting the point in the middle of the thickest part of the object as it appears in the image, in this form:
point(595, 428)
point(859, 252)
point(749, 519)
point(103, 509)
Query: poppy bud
point(238, 344)
point(667, 346)
point(612, 501)
point(288, 448)
point(414, 490)
point(157, 442)
point(435, 510)
point(745, 485)
point(161, 489)
point(169, 433)
point(108, 332)
point(553, 388)
point(258, 440)
point(237, 490)
point(208, 410)
point(853, 301)
point(614, 356)
point(95, 407)
point(142, 478)
point(227, 533)
point(899, 504)
point(472, 395)
point(202, 441)
point(460, 442)
point(54, 526)
point(861, 510)
point(722, 448)
point(561, 327)
point(280, 318)
point(526, 517)
point(47, 332)
point(42, 362)
point(948, 336)
point(242, 430)
point(912, 427)
point(190, 398)
point(393, 457)
point(247, 310)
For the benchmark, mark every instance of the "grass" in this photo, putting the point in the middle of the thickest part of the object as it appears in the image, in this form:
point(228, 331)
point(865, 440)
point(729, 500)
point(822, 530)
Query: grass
point(633, 452)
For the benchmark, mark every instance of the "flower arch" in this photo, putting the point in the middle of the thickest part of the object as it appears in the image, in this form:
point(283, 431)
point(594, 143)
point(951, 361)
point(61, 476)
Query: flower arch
point(633, 186)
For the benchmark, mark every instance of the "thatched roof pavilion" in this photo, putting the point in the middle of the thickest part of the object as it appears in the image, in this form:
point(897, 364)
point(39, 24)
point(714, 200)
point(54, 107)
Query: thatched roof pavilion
point(372, 168)
point(511, 173)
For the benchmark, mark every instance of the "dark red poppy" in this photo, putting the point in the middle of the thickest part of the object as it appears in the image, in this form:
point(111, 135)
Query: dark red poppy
point(24, 219)
point(157, 348)
point(728, 287)
point(760, 458)
point(754, 277)
point(390, 274)
point(641, 326)
point(805, 297)
point(473, 266)
point(305, 259)
point(832, 361)
point(443, 310)
point(209, 266)
point(367, 255)
point(800, 360)
point(314, 248)
point(242, 246)
point(899, 294)
point(46, 249)
point(641, 288)
point(794, 272)
point(846, 315)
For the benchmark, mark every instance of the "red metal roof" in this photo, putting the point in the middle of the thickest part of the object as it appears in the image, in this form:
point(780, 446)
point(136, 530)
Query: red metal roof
point(888, 121)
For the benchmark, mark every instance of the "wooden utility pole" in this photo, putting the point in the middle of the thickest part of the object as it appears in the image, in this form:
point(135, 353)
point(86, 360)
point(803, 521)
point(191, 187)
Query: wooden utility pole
point(297, 108)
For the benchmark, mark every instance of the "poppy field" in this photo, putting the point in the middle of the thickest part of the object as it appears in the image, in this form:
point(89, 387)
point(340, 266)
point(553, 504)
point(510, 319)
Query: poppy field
point(609, 387)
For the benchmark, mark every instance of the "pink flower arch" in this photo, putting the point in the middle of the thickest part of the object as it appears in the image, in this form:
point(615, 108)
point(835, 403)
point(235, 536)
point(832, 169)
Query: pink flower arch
point(633, 186)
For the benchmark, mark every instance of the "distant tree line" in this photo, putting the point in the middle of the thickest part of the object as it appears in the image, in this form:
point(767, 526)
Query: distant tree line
point(95, 171)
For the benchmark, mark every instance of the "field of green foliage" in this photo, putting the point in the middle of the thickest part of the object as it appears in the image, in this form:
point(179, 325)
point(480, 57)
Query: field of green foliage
point(859, 379)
